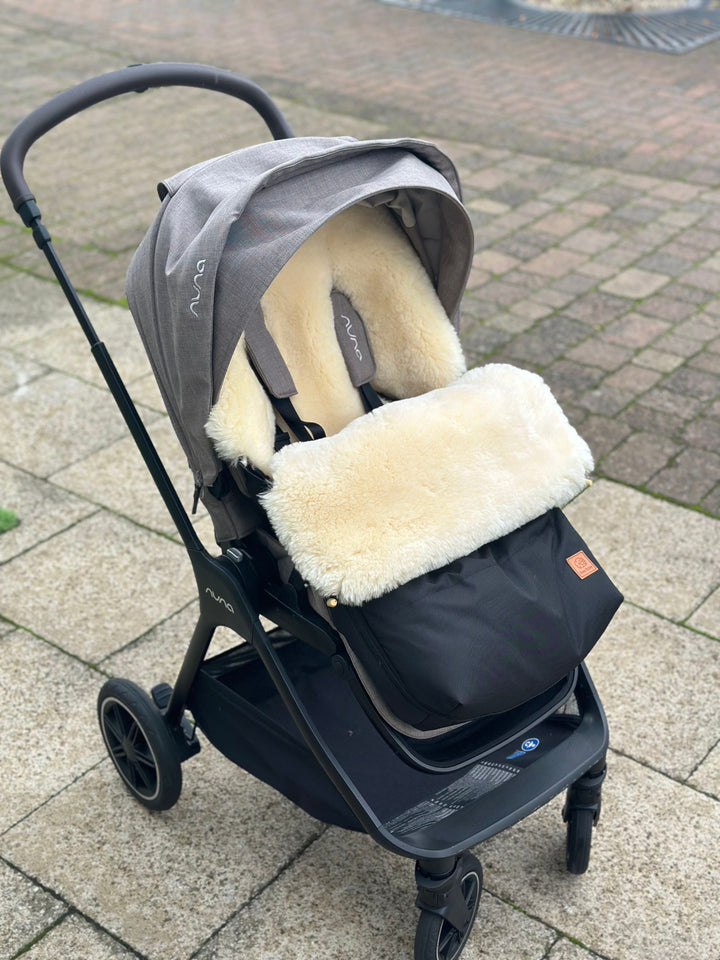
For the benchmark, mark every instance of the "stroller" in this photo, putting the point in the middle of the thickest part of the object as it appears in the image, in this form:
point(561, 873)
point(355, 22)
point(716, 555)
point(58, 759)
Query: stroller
point(412, 607)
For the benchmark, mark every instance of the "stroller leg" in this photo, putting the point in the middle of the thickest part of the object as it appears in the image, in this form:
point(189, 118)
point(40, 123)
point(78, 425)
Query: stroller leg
point(448, 896)
point(202, 635)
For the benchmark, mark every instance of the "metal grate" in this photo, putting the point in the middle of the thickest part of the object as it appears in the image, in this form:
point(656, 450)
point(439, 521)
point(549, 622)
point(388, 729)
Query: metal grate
point(668, 31)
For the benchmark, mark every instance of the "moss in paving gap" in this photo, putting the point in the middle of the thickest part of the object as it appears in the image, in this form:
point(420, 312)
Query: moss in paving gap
point(641, 488)
point(41, 936)
point(561, 934)
point(83, 291)
point(8, 519)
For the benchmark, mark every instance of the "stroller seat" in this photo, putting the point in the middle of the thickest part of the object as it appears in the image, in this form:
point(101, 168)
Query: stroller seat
point(388, 492)
point(459, 459)
point(354, 304)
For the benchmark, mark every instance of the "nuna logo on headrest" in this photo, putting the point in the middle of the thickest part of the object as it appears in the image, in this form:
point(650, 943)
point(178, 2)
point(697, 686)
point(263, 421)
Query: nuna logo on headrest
point(348, 327)
point(200, 267)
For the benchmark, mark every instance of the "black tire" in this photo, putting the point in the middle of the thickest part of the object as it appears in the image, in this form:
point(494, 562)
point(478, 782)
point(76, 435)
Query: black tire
point(579, 840)
point(435, 937)
point(140, 744)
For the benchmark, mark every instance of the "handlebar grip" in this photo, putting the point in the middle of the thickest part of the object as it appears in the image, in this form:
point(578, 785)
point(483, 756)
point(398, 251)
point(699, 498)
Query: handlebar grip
point(136, 78)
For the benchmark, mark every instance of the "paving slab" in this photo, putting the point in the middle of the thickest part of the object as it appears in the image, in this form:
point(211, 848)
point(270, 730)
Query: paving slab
point(76, 938)
point(25, 911)
point(156, 657)
point(638, 667)
point(661, 556)
point(68, 350)
point(50, 729)
point(17, 371)
point(57, 421)
point(346, 899)
point(707, 616)
point(117, 478)
point(707, 775)
point(651, 888)
point(566, 950)
point(42, 509)
point(145, 391)
point(97, 586)
point(30, 307)
point(163, 883)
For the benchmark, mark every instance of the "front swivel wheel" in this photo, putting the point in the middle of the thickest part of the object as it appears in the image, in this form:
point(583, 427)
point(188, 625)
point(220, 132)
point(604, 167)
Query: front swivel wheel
point(140, 744)
point(443, 931)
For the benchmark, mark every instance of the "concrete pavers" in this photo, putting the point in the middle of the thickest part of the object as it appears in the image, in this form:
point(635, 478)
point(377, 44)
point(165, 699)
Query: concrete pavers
point(98, 586)
point(161, 883)
point(45, 510)
point(50, 704)
point(642, 651)
point(66, 349)
point(56, 421)
point(652, 887)
point(595, 198)
point(662, 557)
point(26, 910)
point(133, 495)
point(75, 937)
point(322, 907)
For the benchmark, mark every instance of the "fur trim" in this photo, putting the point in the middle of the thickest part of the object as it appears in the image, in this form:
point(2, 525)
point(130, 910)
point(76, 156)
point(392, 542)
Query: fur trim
point(364, 254)
point(242, 422)
point(415, 346)
point(421, 482)
point(299, 317)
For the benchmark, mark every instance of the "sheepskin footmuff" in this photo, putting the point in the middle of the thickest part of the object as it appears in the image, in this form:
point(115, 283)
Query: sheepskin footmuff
point(422, 482)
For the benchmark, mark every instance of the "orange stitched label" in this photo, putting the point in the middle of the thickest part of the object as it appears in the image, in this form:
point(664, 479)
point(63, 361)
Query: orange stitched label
point(581, 564)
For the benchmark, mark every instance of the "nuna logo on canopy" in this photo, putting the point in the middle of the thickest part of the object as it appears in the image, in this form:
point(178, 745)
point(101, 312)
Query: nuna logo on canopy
point(200, 267)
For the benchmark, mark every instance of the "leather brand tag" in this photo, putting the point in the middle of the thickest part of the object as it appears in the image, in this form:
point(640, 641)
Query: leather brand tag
point(581, 564)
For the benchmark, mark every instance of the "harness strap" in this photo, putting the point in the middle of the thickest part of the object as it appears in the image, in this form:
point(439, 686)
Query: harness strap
point(370, 399)
point(303, 429)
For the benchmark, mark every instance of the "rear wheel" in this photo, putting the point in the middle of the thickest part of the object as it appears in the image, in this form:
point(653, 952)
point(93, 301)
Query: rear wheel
point(140, 744)
point(438, 939)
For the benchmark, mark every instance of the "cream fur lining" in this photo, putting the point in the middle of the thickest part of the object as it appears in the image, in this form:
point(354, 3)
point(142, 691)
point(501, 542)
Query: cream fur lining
point(364, 254)
point(421, 482)
point(242, 422)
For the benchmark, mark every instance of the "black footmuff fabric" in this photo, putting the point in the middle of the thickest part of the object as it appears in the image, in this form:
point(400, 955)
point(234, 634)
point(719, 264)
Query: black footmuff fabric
point(487, 632)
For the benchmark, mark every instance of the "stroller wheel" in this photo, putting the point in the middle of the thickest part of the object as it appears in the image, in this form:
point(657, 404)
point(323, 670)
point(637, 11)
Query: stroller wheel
point(579, 840)
point(438, 939)
point(140, 744)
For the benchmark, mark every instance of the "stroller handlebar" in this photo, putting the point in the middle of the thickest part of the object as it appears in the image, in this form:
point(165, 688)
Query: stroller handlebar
point(136, 78)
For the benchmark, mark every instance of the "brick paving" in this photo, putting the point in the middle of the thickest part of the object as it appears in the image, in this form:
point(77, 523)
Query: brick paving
point(592, 175)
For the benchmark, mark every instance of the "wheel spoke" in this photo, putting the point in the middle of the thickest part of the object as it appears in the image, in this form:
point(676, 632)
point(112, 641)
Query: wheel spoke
point(130, 771)
point(113, 723)
point(133, 733)
point(450, 939)
point(142, 774)
point(469, 891)
point(144, 761)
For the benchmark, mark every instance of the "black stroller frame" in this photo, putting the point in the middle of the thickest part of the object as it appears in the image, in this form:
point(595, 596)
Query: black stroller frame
point(236, 588)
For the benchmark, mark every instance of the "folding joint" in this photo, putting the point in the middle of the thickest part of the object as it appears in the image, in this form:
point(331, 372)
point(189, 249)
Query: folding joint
point(443, 896)
point(29, 213)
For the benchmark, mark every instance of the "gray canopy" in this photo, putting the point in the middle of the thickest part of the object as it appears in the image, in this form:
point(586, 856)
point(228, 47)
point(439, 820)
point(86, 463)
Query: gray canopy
point(227, 226)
